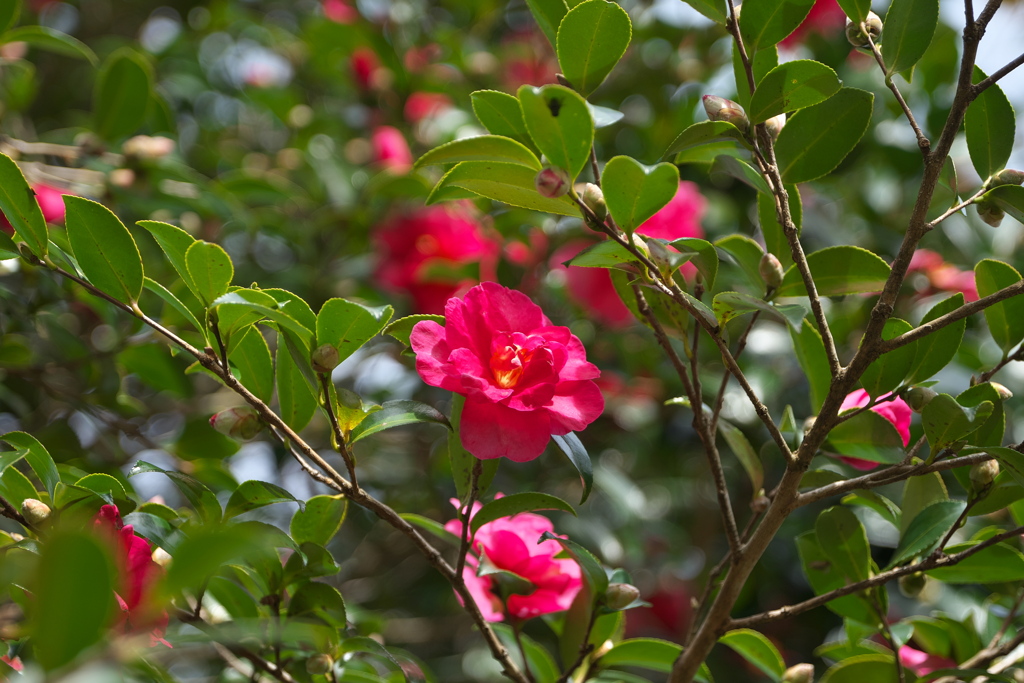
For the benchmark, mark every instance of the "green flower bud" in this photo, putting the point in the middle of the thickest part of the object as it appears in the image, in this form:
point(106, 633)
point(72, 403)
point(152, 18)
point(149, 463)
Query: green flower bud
point(621, 595)
point(911, 585)
point(918, 397)
point(552, 182)
point(983, 474)
point(239, 423)
point(857, 37)
point(721, 109)
point(774, 125)
point(319, 664)
point(771, 271)
point(35, 511)
point(990, 213)
point(800, 673)
point(593, 197)
point(1008, 176)
point(1003, 392)
point(324, 358)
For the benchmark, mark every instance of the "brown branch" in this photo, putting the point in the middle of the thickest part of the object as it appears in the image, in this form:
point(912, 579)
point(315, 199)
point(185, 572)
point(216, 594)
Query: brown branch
point(922, 141)
point(341, 444)
point(981, 85)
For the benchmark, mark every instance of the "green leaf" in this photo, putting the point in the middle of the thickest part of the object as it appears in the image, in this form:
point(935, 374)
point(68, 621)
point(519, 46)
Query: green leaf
point(747, 253)
point(918, 493)
point(926, 530)
point(175, 303)
point(607, 254)
point(702, 254)
point(500, 113)
point(123, 90)
point(560, 124)
point(206, 550)
point(1011, 460)
point(542, 665)
point(756, 649)
point(51, 40)
point(431, 526)
point(235, 599)
point(320, 601)
point(1009, 198)
point(210, 270)
point(990, 433)
point(647, 653)
point(825, 577)
point(578, 456)
point(764, 23)
point(936, 350)
point(74, 597)
point(105, 250)
point(481, 148)
point(762, 61)
point(946, 421)
point(996, 564)
point(197, 493)
point(744, 452)
point(507, 506)
point(548, 15)
point(887, 509)
point(888, 372)
point(843, 539)
point(1006, 318)
point(503, 182)
point(256, 301)
point(860, 668)
point(712, 9)
point(253, 364)
point(990, 123)
point(635, 192)
point(174, 242)
point(254, 494)
point(295, 396)
point(907, 32)
point(856, 10)
point(725, 164)
point(9, 13)
point(815, 140)
point(396, 414)
point(107, 487)
point(604, 116)
point(837, 271)
point(791, 86)
point(810, 354)
point(401, 329)
point(8, 249)
point(15, 487)
point(319, 520)
point(591, 40)
point(18, 203)
point(37, 457)
point(730, 305)
point(703, 132)
point(593, 574)
point(347, 325)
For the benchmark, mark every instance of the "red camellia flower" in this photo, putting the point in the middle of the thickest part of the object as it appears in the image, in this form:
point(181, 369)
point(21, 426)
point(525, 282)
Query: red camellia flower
point(416, 247)
point(51, 203)
point(422, 105)
point(138, 576)
point(895, 411)
point(390, 150)
point(524, 379)
point(510, 544)
point(339, 11)
point(942, 276)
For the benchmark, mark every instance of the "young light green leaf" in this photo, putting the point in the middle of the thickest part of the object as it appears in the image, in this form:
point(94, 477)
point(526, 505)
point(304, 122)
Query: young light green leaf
point(608, 254)
point(703, 132)
point(990, 123)
point(791, 86)
point(635, 192)
point(592, 38)
point(764, 23)
point(211, 270)
point(500, 113)
point(728, 165)
point(396, 414)
point(744, 452)
point(837, 271)
point(174, 302)
point(756, 649)
point(815, 140)
point(548, 14)
point(174, 242)
point(105, 250)
point(503, 182)
point(507, 506)
point(926, 530)
point(254, 494)
point(481, 148)
point(560, 124)
point(860, 668)
point(936, 350)
point(888, 372)
point(51, 40)
point(843, 539)
point(578, 456)
point(285, 316)
point(250, 359)
point(348, 325)
point(18, 203)
point(908, 30)
point(1006, 318)
point(123, 90)
point(319, 520)
point(647, 653)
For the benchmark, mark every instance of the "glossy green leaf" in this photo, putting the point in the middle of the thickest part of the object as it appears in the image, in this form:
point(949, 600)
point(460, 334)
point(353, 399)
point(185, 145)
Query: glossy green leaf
point(990, 433)
point(210, 268)
point(314, 599)
point(604, 116)
point(74, 597)
point(295, 398)
point(946, 421)
point(578, 456)
point(347, 325)
point(907, 32)
point(702, 254)
point(319, 520)
point(503, 182)
point(548, 14)
point(593, 573)
point(990, 123)
point(861, 668)
point(824, 577)
point(235, 599)
point(996, 564)
point(837, 271)
point(429, 525)
point(791, 86)
point(174, 242)
point(16, 488)
point(764, 23)
point(396, 414)
point(9, 13)
point(123, 90)
point(703, 132)
point(936, 350)
point(560, 124)
point(507, 506)
point(815, 140)
point(744, 452)
point(747, 255)
point(401, 329)
point(250, 358)
point(918, 493)
point(730, 305)
point(727, 165)
point(254, 300)
point(500, 113)
point(926, 530)
point(8, 249)
point(757, 650)
point(37, 457)
point(646, 653)
point(156, 529)
point(107, 487)
point(592, 38)
point(175, 303)
point(254, 494)
point(1009, 198)
point(888, 372)
point(810, 354)
point(762, 61)
point(1006, 318)
point(105, 250)
point(18, 203)
point(843, 539)
point(481, 148)
point(856, 10)
point(608, 254)
point(635, 192)
point(885, 508)
point(197, 493)
point(51, 40)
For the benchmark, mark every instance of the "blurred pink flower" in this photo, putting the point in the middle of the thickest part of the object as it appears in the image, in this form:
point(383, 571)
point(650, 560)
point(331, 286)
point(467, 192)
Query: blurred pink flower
point(527, 59)
point(524, 379)
point(415, 248)
point(422, 105)
point(13, 662)
point(922, 663)
point(510, 544)
point(826, 18)
point(363, 64)
point(895, 411)
point(51, 202)
point(390, 150)
point(942, 276)
point(339, 11)
point(680, 217)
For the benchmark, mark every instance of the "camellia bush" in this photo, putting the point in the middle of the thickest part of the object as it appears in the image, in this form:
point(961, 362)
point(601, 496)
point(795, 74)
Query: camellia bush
point(474, 340)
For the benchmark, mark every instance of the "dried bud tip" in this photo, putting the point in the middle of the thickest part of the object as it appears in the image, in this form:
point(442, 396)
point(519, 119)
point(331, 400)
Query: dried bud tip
point(911, 585)
point(35, 511)
point(593, 197)
point(918, 397)
point(771, 271)
point(774, 125)
point(621, 595)
point(1008, 176)
point(990, 213)
point(799, 673)
point(239, 423)
point(319, 664)
point(983, 474)
point(857, 37)
point(551, 182)
point(1003, 392)
point(721, 109)
point(325, 358)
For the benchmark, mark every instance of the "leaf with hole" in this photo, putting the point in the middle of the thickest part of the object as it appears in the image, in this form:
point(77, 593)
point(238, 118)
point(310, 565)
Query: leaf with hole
point(560, 124)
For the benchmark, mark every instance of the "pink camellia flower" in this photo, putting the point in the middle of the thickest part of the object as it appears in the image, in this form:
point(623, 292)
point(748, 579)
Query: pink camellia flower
point(524, 379)
point(13, 662)
point(922, 663)
point(51, 203)
point(390, 150)
point(680, 217)
point(942, 276)
point(510, 544)
point(417, 247)
point(364, 63)
point(826, 18)
point(895, 411)
point(339, 11)
point(422, 105)
point(138, 577)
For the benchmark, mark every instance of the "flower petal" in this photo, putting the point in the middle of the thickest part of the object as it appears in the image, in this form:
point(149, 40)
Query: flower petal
point(492, 430)
point(574, 406)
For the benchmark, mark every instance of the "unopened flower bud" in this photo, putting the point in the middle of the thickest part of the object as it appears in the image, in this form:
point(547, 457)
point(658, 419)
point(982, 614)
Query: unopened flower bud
point(551, 182)
point(621, 595)
point(593, 197)
point(857, 37)
point(239, 423)
point(35, 511)
point(918, 397)
point(774, 125)
point(800, 673)
point(721, 109)
point(319, 664)
point(990, 213)
point(983, 474)
point(760, 502)
point(809, 424)
point(911, 585)
point(148, 147)
point(324, 358)
point(1008, 176)
point(1003, 392)
point(771, 271)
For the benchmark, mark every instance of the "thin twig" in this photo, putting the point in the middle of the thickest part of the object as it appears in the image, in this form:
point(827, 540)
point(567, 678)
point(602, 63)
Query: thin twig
point(1015, 356)
point(887, 634)
point(956, 208)
point(981, 85)
point(341, 444)
point(466, 513)
point(922, 141)
point(236, 649)
point(585, 649)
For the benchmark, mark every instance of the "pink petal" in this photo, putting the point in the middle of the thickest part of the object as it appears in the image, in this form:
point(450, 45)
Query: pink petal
point(491, 430)
point(574, 406)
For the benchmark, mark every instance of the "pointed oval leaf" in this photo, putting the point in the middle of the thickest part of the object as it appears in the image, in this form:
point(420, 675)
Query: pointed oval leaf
point(815, 140)
point(123, 90)
point(838, 270)
point(401, 329)
point(635, 192)
point(507, 506)
point(37, 457)
point(252, 364)
point(210, 268)
point(764, 23)
point(990, 124)
point(592, 38)
point(560, 124)
point(548, 14)
point(868, 436)
point(295, 397)
point(844, 540)
point(578, 456)
point(647, 653)
point(481, 148)
point(728, 165)
point(791, 86)
point(996, 564)
point(348, 325)
point(756, 649)
point(888, 372)
point(105, 250)
point(908, 30)
point(174, 242)
point(702, 254)
point(51, 40)
point(945, 421)
point(319, 520)
point(396, 414)
point(254, 494)
point(18, 203)
point(860, 668)
point(500, 113)
point(935, 351)
point(607, 254)
point(824, 577)
point(1006, 318)
point(703, 132)
point(318, 600)
point(926, 530)
point(503, 182)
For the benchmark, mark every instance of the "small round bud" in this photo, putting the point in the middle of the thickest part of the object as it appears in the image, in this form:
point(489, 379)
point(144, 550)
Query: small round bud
point(983, 474)
point(990, 213)
point(621, 595)
point(721, 109)
point(911, 585)
point(799, 673)
point(774, 125)
point(148, 147)
point(551, 182)
point(319, 664)
point(239, 423)
point(918, 397)
point(593, 197)
point(1008, 176)
point(760, 502)
point(1003, 392)
point(35, 511)
point(324, 358)
point(771, 271)
point(857, 37)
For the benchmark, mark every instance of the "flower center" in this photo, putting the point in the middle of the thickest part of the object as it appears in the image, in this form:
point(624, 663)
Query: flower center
point(507, 365)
